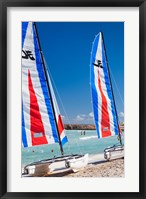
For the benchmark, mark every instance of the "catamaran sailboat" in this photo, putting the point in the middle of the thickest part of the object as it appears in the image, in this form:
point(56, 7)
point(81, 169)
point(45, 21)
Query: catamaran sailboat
point(104, 107)
point(41, 119)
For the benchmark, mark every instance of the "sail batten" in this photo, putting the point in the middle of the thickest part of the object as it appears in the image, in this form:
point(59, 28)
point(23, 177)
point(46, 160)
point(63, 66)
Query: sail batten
point(38, 119)
point(102, 97)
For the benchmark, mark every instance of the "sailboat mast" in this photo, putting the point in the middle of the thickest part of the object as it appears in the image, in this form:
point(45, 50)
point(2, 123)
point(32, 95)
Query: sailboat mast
point(112, 91)
point(47, 81)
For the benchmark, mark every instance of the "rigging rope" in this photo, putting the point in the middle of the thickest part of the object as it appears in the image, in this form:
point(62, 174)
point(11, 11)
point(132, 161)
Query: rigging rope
point(117, 87)
point(69, 148)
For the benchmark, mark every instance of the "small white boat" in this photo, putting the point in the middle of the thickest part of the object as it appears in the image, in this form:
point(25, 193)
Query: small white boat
point(114, 152)
point(103, 101)
point(37, 170)
point(46, 167)
point(77, 164)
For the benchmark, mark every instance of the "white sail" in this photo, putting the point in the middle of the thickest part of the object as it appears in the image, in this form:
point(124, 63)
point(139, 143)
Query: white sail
point(102, 96)
point(40, 123)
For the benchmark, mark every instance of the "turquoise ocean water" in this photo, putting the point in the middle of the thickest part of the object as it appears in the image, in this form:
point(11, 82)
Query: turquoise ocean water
point(77, 143)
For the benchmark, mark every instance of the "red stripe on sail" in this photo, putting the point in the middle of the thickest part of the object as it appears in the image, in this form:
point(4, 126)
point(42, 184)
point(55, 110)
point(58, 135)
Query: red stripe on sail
point(36, 124)
point(60, 125)
point(105, 122)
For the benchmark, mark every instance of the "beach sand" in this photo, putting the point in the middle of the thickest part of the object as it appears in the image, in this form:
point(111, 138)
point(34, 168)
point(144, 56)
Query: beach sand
point(97, 167)
point(113, 168)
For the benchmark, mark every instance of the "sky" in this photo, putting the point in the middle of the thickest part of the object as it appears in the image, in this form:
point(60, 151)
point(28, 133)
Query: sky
point(67, 48)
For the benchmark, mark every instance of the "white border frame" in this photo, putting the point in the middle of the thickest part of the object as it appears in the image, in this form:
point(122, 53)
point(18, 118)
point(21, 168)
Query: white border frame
point(130, 183)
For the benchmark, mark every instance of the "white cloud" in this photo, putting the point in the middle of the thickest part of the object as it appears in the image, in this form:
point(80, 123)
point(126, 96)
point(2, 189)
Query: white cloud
point(121, 114)
point(80, 117)
point(84, 118)
point(91, 114)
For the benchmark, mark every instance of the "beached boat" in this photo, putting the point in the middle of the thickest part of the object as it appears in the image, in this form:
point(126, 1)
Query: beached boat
point(78, 164)
point(104, 107)
point(41, 119)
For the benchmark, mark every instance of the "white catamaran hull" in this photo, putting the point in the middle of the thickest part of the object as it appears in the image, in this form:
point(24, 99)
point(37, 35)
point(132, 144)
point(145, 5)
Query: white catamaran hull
point(77, 164)
point(114, 152)
point(37, 170)
point(46, 167)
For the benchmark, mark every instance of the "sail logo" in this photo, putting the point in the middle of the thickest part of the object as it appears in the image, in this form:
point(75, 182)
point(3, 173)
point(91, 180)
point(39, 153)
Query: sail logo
point(27, 54)
point(105, 129)
point(99, 64)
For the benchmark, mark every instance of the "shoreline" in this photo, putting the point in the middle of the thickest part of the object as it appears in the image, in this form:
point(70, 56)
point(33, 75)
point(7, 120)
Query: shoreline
point(85, 126)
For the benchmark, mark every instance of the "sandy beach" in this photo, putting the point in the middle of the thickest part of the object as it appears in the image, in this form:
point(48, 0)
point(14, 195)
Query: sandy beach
point(97, 167)
point(114, 168)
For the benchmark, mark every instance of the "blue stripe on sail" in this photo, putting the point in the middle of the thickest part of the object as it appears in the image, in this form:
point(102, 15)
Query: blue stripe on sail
point(44, 87)
point(24, 30)
point(64, 140)
point(108, 88)
point(24, 137)
point(94, 91)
